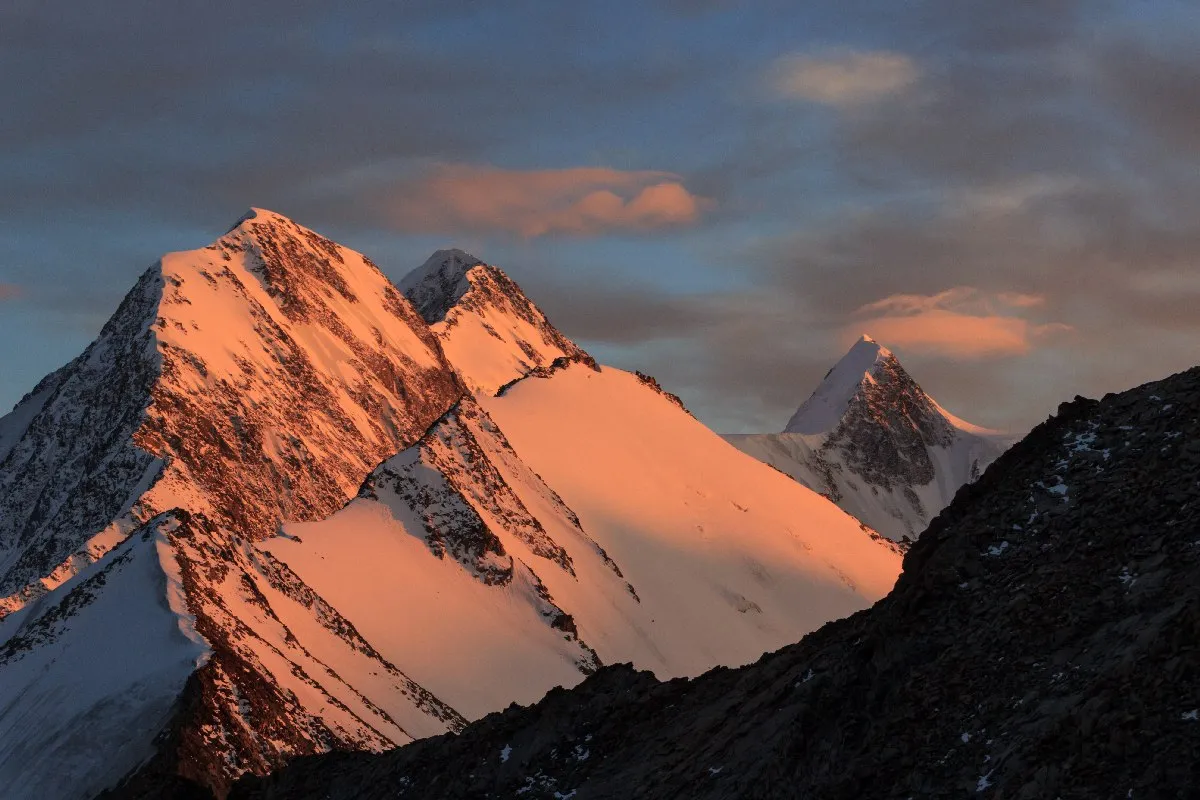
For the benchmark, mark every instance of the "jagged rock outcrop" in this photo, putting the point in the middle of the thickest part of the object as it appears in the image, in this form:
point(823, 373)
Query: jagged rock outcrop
point(872, 441)
point(1041, 642)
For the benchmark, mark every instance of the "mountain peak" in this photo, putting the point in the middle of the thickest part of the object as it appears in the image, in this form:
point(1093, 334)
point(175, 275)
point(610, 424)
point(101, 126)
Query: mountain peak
point(260, 214)
point(439, 283)
point(822, 412)
point(489, 329)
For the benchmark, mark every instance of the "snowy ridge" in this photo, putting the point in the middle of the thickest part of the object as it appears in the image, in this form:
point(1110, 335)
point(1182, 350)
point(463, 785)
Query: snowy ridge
point(870, 439)
point(491, 332)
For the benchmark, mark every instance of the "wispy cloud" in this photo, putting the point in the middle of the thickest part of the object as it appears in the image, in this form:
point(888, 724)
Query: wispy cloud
point(580, 201)
point(8, 291)
point(845, 78)
point(962, 322)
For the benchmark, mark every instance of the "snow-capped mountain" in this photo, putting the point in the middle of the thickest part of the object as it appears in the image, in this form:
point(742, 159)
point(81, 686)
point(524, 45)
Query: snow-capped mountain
point(273, 511)
point(872, 441)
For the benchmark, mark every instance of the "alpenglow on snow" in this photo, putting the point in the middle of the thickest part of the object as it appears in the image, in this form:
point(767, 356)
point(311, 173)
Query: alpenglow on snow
point(278, 508)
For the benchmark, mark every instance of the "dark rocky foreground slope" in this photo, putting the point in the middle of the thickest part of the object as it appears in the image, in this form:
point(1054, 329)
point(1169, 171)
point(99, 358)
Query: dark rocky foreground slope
point(1043, 641)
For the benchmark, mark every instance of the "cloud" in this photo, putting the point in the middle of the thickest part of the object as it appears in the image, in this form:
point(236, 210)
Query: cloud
point(962, 322)
point(843, 79)
point(8, 291)
point(580, 201)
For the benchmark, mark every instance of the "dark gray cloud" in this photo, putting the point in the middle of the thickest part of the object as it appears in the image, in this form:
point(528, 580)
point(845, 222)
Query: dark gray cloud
point(1045, 147)
point(1046, 151)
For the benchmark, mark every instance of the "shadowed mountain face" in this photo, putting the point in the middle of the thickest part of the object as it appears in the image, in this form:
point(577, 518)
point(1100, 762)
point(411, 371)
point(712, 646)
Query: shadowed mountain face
point(871, 440)
point(1042, 641)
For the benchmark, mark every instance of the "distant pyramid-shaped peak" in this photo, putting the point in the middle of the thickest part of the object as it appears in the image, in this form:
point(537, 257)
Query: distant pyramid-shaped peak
point(823, 411)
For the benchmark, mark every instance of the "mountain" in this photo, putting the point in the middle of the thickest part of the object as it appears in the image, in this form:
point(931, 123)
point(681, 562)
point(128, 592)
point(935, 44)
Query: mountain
point(273, 511)
point(872, 441)
point(1041, 642)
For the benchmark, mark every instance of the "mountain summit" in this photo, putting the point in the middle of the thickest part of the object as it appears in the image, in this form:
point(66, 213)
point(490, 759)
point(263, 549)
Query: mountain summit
point(870, 439)
point(491, 332)
point(277, 509)
point(849, 378)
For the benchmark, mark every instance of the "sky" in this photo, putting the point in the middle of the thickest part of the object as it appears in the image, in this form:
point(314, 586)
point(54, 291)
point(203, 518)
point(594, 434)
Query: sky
point(725, 195)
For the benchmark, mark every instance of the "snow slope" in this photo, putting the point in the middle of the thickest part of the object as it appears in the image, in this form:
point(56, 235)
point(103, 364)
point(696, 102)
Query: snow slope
point(585, 496)
point(253, 381)
point(707, 537)
point(874, 442)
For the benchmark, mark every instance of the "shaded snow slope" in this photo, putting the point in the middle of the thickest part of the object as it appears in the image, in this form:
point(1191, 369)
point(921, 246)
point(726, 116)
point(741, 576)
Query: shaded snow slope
point(870, 439)
point(491, 332)
point(101, 661)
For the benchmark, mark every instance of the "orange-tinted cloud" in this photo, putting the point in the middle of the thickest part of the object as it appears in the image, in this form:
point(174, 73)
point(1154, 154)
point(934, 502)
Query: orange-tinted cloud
point(963, 322)
point(844, 78)
point(9, 290)
point(580, 201)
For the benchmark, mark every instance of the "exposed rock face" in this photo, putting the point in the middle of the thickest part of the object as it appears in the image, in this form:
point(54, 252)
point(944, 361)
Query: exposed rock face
point(53, 499)
point(888, 429)
point(492, 333)
point(872, 441)
point(1041, 642)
